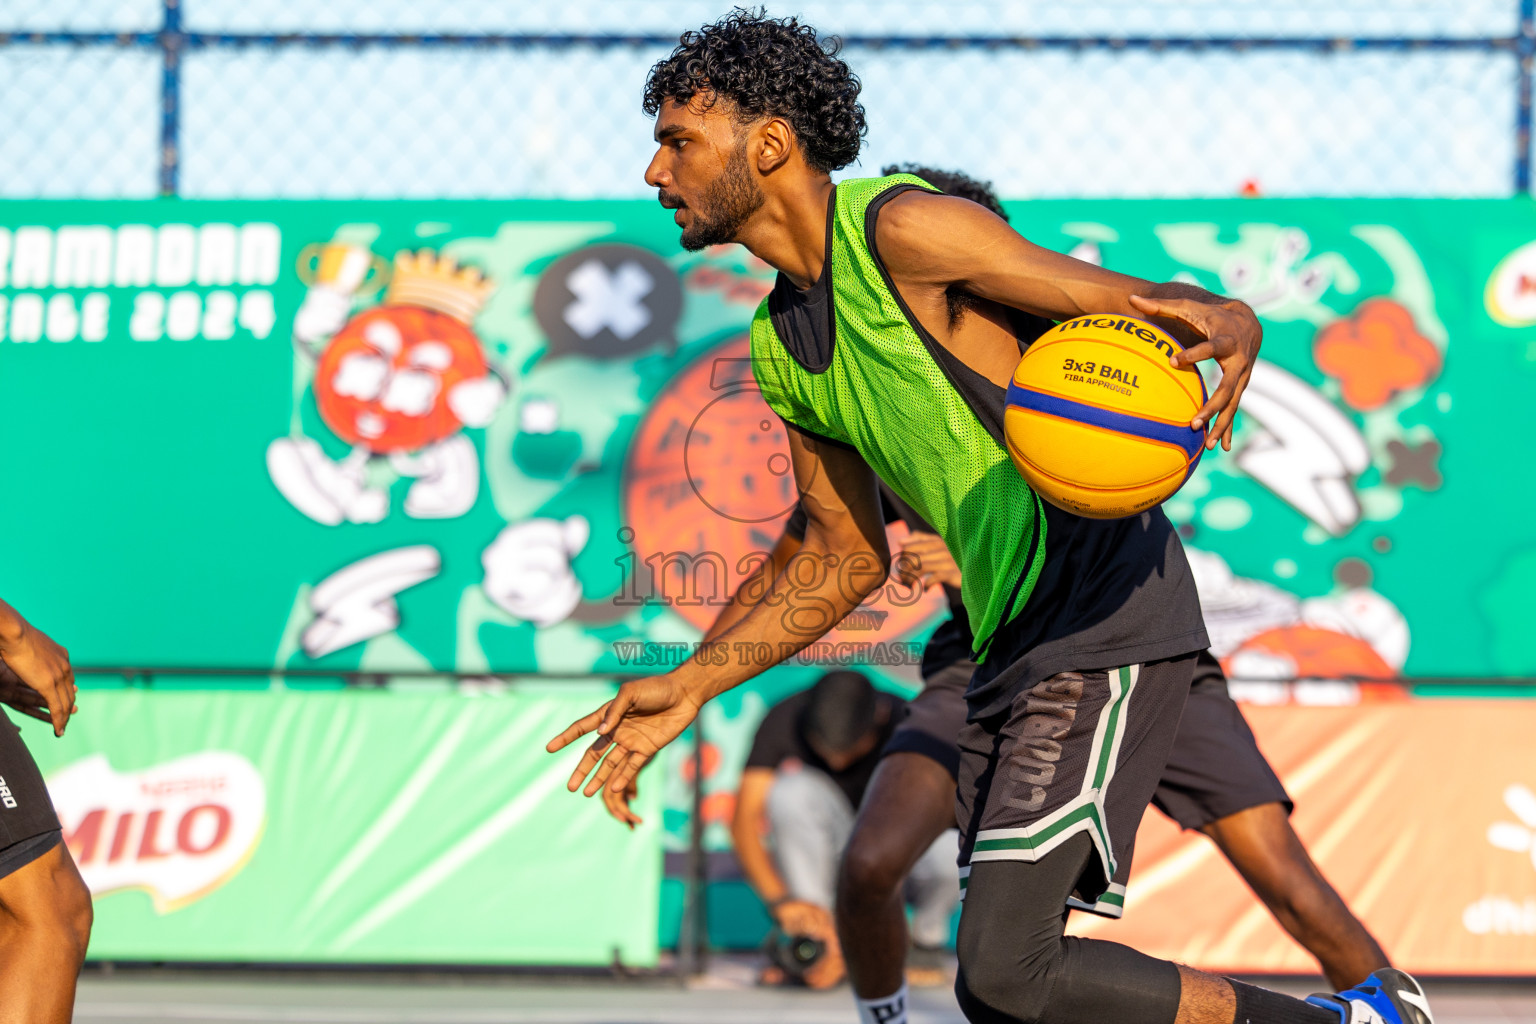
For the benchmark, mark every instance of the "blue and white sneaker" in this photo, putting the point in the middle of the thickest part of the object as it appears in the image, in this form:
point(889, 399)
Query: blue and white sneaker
point(1387, 997)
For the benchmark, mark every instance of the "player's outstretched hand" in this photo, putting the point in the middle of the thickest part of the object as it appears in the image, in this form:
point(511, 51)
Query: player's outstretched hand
point(645, 716)
point(1232, 335)
point(618, 803)
point(43, 666)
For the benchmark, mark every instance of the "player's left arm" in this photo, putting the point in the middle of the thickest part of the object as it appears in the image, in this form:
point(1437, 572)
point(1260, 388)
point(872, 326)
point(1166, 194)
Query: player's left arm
point(942, 242)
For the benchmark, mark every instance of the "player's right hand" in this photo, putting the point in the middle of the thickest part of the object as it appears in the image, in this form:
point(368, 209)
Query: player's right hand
point(1232, 337)
point(646, 715)
point(44, 666)
point(796, 917)
point(18, 696)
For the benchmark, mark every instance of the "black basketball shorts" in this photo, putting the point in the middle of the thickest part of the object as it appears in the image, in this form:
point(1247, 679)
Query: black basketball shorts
point(29, 827)
point(935, 717)
point(1076, 753)
point(1216, 767)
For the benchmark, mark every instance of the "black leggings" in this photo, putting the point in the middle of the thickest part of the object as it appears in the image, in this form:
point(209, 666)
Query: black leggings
point(1016, 967)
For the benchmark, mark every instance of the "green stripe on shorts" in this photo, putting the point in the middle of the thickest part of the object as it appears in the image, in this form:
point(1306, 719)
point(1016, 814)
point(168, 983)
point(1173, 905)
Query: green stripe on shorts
point(1084, 813)
point(1114, 711)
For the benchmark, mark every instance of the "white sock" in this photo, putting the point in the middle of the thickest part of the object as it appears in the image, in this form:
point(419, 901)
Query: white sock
point(890, 1010)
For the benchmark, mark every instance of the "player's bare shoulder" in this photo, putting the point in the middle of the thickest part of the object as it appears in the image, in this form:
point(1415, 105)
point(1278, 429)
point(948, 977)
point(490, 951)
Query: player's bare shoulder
point(916, 232)
point(923, 237)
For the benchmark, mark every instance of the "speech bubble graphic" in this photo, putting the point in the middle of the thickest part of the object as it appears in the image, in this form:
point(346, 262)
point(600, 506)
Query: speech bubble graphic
point(177, 830)
point(607, 301)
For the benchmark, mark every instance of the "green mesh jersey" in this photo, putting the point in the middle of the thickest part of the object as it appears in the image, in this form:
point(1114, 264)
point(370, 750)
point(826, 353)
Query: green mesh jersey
point(884, 394)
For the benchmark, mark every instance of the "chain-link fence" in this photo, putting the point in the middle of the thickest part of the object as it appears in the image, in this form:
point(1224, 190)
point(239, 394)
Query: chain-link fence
point(480, 98)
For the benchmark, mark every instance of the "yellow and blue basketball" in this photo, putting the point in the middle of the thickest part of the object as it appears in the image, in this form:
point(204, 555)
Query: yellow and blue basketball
point(1097, 419)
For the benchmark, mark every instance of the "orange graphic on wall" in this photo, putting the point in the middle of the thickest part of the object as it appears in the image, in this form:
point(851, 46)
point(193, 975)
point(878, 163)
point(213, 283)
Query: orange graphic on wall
point(1376, 352)
point(1421, 813)
point(426, 353)
point(1315, 653)
point(709, 483)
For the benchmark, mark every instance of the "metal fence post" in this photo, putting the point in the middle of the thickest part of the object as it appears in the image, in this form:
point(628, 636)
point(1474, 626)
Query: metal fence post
point(1525, 51)
point(693, 935)
point(171, 45)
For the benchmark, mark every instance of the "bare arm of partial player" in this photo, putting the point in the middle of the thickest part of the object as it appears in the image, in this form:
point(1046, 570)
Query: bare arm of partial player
point(39, 663)
point(938, 242)
point(844, 543)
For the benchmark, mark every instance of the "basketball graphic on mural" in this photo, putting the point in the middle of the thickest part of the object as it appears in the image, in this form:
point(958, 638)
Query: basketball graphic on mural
point(1308, 652)
point(708, 483)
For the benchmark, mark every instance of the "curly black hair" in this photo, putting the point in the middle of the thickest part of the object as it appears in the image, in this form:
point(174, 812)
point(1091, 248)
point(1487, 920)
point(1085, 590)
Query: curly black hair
point(953, 183)
point(769, 67)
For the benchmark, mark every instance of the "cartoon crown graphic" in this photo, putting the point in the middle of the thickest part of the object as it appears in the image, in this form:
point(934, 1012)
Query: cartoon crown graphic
point(437, 282)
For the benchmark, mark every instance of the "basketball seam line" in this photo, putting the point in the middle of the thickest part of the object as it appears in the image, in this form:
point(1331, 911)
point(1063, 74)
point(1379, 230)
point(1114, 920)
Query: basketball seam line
point(1095, 405)
point(1188, 455)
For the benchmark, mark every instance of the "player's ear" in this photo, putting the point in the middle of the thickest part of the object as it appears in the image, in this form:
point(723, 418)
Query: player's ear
point(775, 141)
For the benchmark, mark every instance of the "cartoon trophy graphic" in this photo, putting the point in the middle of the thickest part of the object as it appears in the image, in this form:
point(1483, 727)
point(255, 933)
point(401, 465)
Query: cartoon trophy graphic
point(397, 382)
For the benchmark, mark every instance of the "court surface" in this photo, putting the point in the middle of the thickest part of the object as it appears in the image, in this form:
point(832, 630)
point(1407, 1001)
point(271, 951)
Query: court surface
point(178, 997)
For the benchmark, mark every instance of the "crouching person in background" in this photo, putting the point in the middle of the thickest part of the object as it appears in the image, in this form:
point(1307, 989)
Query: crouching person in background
point(810, 763)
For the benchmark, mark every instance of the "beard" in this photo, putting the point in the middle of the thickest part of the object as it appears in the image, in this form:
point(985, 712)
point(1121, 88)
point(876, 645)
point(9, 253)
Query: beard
point(724, 207)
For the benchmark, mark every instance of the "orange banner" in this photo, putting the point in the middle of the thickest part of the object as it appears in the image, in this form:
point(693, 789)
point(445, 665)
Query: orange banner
point(1422, 814)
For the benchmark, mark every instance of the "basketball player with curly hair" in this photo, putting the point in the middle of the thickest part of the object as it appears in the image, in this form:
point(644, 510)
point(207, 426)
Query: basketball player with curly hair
point(1086, 632)
point(1216, 781)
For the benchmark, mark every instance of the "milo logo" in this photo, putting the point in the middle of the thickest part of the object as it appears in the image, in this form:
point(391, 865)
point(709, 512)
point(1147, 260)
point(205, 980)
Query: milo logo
point(177, 830)
point(1127, 325)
